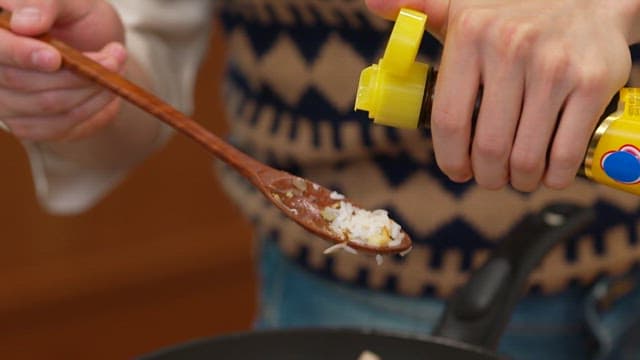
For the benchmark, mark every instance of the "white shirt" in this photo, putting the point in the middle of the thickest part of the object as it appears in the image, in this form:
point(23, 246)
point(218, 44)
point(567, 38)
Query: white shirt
point(167, 38)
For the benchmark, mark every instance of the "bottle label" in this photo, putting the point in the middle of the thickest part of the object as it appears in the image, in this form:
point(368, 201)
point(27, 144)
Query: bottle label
point(613, 158)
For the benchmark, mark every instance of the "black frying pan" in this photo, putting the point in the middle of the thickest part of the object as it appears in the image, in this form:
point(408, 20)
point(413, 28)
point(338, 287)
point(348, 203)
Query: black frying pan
point(470, 327)
point(326, 344)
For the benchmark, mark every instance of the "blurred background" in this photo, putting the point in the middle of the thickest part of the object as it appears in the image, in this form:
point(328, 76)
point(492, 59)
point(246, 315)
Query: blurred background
point(164, 259)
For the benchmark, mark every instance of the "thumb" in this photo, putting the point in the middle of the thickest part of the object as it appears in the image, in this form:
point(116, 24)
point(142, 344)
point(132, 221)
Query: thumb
point(30, 17)
point(36, 17)
point(87, 25)
point(436, 10)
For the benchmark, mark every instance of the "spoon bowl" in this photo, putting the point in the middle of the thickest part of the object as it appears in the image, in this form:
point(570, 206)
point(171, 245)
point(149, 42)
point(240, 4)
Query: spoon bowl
point(299, 199)
point(304, 201)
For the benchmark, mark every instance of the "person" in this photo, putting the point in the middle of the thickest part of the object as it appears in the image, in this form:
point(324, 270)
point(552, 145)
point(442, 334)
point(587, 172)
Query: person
point(292, 67)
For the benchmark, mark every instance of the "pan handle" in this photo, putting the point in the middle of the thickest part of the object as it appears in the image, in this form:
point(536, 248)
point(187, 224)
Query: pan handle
point(481, 309)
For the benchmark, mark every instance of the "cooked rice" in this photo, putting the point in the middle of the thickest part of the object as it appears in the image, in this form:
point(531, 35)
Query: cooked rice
point(373, 228)
point(336, 196)
point(334, 248)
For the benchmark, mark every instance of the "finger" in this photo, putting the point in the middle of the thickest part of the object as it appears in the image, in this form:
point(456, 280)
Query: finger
point(56, 127)
point(36, 17)
point(93, 106)
point(578, 120)
point(43, 103)
point(27, 53)
point(59, 101)
point(113, 56)
point(31, 17)
point(436, 10)
point(40, 128)
point(497, 122)
point(84, 24)
point(97, 121)
point(540, 114)
point(455, 96)
point(27, 81)
point(76, 16)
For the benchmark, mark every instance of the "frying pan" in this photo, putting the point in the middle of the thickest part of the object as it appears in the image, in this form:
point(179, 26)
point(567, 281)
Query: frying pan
point(469, 328)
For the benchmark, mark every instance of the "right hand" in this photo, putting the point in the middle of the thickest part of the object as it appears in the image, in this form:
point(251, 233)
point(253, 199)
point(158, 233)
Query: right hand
point(548, 69)
point(38, 100)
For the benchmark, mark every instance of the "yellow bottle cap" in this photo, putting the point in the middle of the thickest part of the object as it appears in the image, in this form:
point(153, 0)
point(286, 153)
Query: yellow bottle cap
point(392, 90)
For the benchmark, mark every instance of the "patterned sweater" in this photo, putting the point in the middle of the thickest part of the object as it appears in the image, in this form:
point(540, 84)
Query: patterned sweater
point(293, 68)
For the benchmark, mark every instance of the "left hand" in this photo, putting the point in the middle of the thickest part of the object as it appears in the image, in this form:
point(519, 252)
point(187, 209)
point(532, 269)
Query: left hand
point(548, 69)
point(39, 101)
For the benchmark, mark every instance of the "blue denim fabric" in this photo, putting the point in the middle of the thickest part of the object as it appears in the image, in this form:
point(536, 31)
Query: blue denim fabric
point(542, 327)
point(617, 328)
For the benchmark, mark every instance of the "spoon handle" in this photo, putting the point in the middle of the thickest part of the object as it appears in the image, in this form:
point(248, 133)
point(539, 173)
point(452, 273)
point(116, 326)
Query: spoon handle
point(82, 65)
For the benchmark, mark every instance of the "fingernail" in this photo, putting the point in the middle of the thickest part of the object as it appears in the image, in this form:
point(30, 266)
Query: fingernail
point(44, 59)
point(114, 49)
point(109, 63)
point(26, 16)
point(461, 178)
point(117, 53)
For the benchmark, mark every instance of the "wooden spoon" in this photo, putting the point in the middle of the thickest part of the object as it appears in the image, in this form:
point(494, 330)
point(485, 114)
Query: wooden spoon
point(300, 199)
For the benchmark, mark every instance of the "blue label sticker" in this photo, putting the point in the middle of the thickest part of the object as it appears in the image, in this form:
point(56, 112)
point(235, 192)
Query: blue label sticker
point(622, 165)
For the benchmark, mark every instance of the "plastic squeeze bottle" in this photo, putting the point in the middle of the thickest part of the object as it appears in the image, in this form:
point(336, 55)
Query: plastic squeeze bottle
point(398, 92)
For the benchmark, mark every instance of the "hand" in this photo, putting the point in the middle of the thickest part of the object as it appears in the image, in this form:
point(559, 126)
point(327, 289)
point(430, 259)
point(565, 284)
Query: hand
point(37, 100)
point(548, 69)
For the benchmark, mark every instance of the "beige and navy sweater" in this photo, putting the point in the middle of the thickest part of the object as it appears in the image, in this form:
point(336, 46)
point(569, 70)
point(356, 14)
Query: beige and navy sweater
point(292, 71)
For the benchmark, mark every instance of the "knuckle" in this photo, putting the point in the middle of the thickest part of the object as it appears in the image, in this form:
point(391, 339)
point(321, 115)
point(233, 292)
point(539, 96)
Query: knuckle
point(491, 148)
point(513, 40)
point(446, 125)
point(11, 78)
point(20, 57)
point(565, 159)
point(15, 50)
point(471, 23)
point(593, 78)
point(526, 163)
point(555, 67)
point(50, 102)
